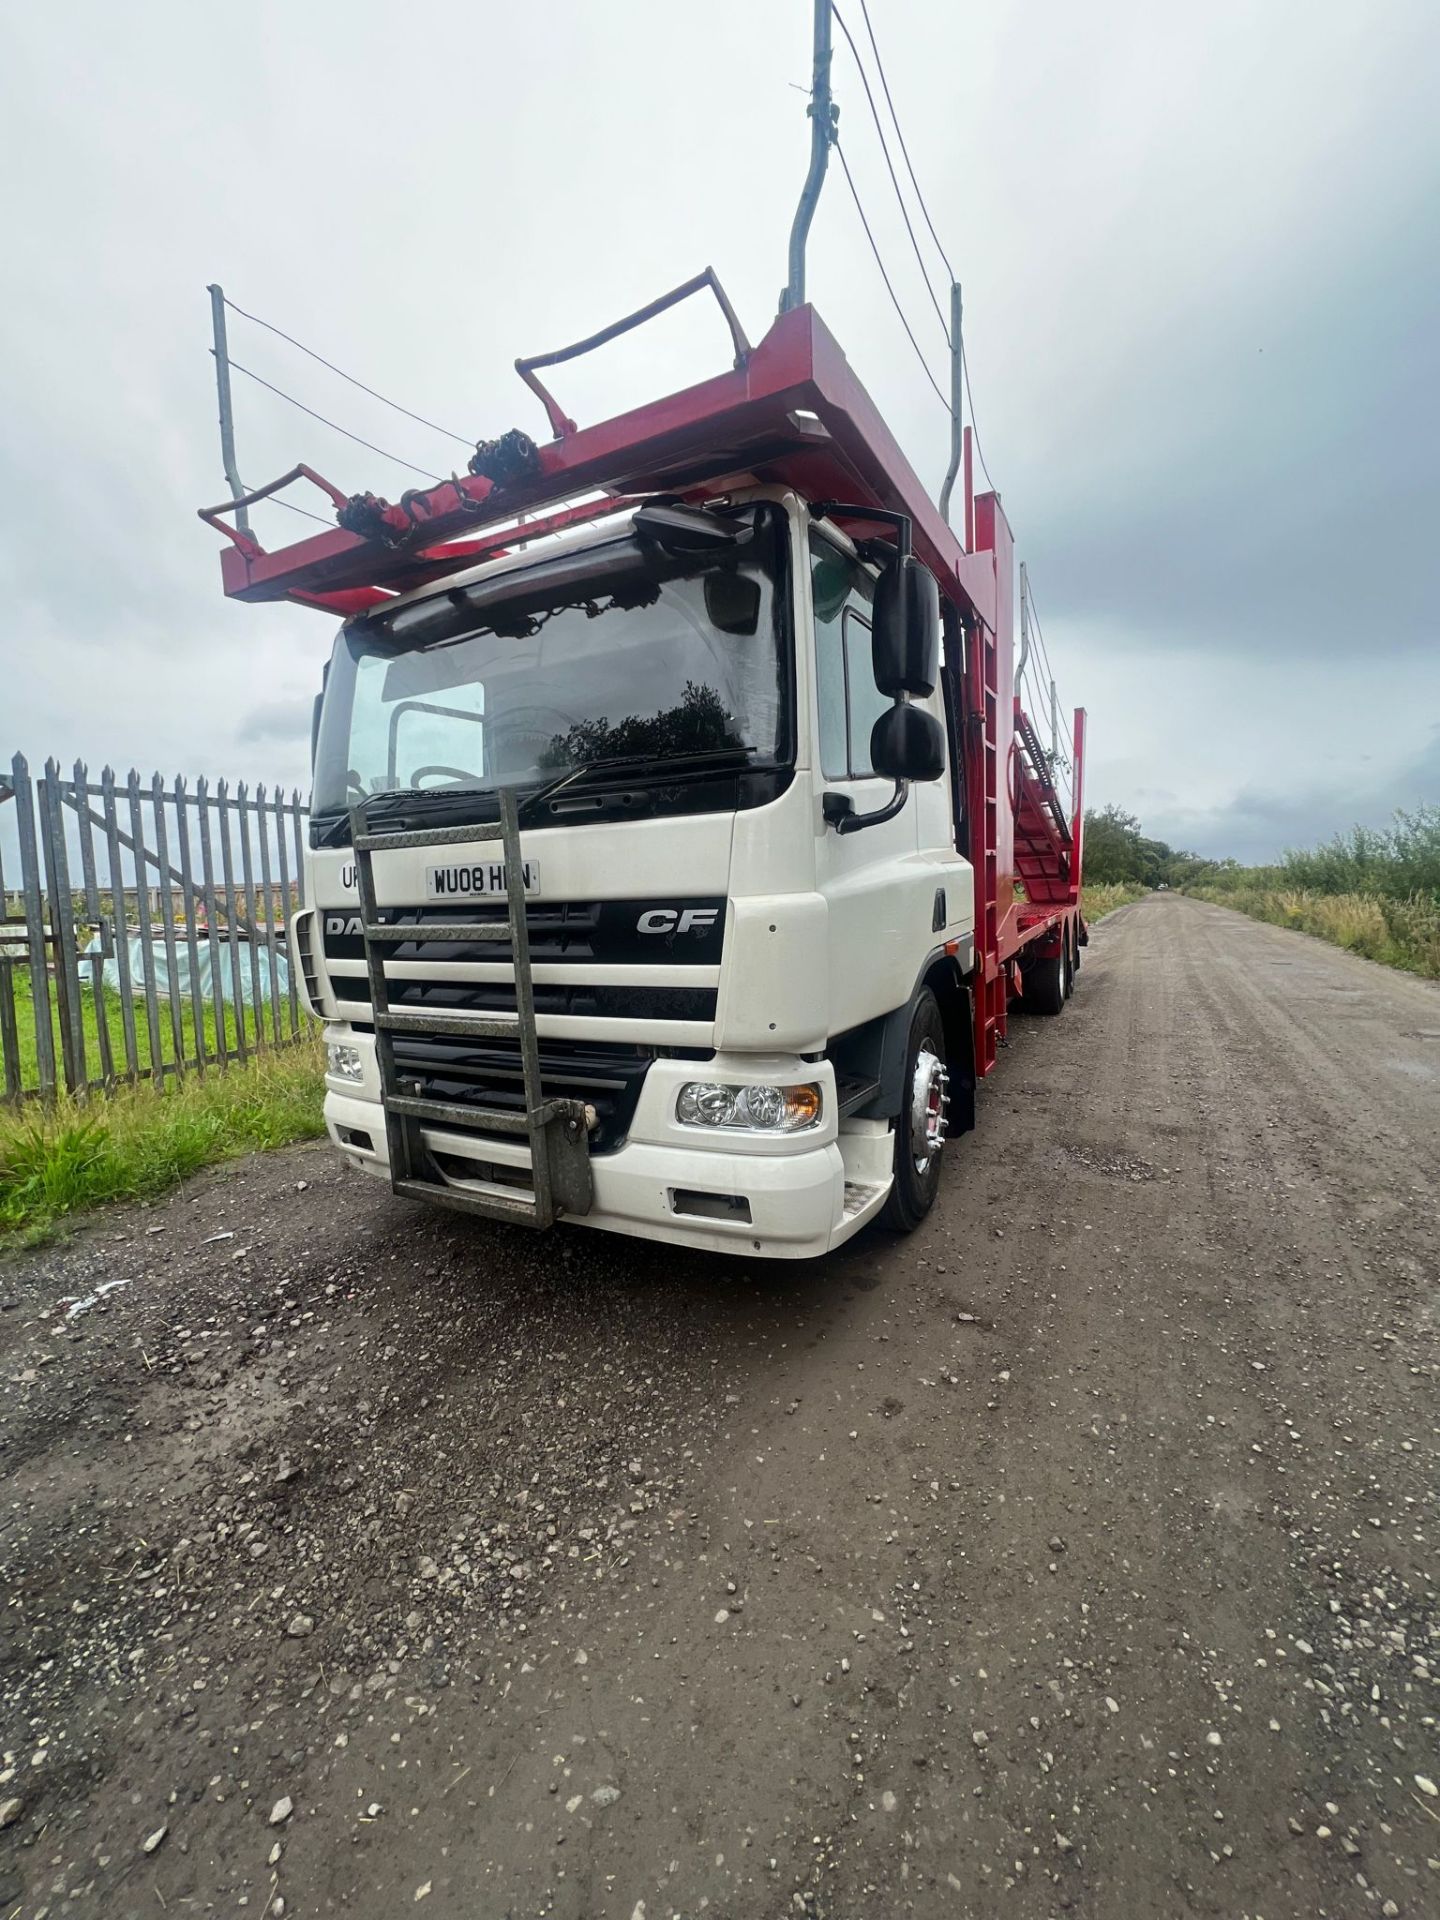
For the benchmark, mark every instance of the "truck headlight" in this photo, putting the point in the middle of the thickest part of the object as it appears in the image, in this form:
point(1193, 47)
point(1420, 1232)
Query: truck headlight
point(344, 1062)
point(762, 1109)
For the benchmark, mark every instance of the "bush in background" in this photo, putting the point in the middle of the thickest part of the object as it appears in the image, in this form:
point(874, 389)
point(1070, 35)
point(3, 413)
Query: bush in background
point(1096, 902)
point(1373, 890)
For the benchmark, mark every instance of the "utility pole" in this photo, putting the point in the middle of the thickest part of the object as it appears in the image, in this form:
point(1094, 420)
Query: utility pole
point(823, 115)
point(227, 416)
point(1024, 626)
point(957, 395)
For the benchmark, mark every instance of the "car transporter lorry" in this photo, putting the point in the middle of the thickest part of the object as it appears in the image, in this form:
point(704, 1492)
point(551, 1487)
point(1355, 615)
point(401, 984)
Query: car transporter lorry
point(678, 841)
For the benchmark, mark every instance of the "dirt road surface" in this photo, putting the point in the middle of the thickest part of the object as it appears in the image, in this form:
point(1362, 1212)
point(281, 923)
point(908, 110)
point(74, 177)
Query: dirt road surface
point(1074, 1556)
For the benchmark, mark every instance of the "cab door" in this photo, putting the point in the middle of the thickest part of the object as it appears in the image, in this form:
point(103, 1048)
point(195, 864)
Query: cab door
point(872, 880)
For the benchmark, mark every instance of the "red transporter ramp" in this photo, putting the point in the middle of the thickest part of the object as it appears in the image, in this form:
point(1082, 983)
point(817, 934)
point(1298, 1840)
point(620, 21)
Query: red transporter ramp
point(791, 411)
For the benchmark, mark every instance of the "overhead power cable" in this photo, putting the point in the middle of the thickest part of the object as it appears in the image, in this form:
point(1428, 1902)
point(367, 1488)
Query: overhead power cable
point(974, 430)
point(894, 298)
point(333, 425)
point(899, 135)
point(1043, 667)
point(1039, 630)
point(890, 168)
point(909, 228)
point(1049, 678)
point(1035, 618)
point(281, 334)
point(290, 507)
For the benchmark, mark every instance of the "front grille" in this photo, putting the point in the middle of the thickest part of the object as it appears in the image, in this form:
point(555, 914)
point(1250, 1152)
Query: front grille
point(640, 933)
point(487, 1073)
point(498, 996)
point(304, 925)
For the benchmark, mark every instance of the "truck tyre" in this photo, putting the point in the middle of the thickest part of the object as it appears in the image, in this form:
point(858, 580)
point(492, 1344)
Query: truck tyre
point(921, 1123)
point(1045, 985)
point(1070, 965)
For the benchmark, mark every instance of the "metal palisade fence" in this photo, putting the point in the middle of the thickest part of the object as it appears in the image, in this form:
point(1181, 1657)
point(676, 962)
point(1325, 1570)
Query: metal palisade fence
point(142, 927)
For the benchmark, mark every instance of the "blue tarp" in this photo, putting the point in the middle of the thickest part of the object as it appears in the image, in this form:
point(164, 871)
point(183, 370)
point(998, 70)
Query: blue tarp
point(154, 960)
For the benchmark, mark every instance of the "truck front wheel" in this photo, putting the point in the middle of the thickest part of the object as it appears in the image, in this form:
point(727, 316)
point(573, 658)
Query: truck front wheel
point(921, 1123)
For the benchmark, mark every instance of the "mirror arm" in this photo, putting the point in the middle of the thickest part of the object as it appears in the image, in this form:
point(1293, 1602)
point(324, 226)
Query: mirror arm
point(823, 509)
point(839, 812)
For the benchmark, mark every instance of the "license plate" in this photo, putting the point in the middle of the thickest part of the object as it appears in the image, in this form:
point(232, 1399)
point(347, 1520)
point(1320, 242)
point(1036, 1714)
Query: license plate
point(475, 879)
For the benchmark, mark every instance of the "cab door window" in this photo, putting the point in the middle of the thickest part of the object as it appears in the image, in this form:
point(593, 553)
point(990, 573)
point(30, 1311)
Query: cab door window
point(842, 593)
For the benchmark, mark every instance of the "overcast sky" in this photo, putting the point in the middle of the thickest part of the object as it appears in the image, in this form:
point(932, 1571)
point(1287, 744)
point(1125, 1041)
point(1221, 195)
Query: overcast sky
point(1202, 288)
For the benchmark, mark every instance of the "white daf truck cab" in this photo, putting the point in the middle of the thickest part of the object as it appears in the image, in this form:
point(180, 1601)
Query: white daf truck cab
point(721, 997)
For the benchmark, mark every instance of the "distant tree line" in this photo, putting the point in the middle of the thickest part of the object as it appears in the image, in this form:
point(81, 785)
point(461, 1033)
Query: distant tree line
point(1118, 852)
point(1398, 862)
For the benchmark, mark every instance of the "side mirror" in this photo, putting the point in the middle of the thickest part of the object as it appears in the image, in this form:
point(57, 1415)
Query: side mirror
point(905, 636)
point(315, 729)
point(907, 743)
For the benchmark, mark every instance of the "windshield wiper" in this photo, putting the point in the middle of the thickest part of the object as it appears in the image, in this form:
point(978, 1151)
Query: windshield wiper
point(383, 806)
point(330, 827)
point(333, 827)
point(620, 762)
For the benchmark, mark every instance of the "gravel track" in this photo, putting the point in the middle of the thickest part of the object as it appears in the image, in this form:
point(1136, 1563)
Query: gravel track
point(1076, 1555)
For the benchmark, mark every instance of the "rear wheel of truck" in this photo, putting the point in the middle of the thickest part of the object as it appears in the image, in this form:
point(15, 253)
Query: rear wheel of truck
point(1045, 985)
point(921, 1123)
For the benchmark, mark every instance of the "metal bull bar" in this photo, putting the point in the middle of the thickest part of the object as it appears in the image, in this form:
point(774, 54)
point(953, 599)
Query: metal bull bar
point(555, 1129)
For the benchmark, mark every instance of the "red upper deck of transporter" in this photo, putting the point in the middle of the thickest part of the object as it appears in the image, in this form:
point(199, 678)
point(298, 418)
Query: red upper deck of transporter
point(790, 411)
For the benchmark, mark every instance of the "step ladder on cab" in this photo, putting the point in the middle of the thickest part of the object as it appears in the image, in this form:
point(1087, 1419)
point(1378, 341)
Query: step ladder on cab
point(557, 1130)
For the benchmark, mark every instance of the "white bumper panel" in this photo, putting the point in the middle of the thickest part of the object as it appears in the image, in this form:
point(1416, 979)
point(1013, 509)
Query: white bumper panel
point(798, 1200)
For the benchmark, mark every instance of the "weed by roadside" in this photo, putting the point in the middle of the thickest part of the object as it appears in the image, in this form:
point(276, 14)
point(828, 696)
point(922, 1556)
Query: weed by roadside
point(1096, 902)
point(136, 1142)
point(1401, 933)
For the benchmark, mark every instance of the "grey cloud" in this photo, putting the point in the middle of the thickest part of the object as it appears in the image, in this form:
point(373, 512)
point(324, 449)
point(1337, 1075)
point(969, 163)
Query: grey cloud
point(287, 720)
point(1259, 823)
point(1202, 318)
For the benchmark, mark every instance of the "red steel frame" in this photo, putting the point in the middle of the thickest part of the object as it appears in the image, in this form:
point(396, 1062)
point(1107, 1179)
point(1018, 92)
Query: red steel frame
point(792, 412)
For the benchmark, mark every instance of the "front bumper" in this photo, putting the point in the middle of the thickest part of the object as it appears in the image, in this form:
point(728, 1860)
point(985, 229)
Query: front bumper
point(785, 1196)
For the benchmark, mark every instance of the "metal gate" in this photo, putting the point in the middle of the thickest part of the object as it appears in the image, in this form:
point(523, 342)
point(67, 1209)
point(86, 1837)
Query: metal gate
point(142, 927)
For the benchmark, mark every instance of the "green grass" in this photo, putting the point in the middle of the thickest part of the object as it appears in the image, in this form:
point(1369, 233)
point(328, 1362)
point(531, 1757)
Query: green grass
point(1373, 890)
point(111, 1004)
point(137, 1141)
point(1402, 933)
point(1096, 902)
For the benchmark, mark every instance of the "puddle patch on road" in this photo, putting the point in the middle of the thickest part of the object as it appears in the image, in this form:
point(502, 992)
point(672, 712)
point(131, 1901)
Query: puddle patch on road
point(1115, 1166)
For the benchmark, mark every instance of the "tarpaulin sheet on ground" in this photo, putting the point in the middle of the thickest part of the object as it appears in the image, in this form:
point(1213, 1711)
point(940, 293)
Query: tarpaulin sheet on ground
point(152, 958)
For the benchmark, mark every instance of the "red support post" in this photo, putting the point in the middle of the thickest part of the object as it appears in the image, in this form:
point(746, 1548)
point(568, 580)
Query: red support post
point(1077, 827)
point(969, 473)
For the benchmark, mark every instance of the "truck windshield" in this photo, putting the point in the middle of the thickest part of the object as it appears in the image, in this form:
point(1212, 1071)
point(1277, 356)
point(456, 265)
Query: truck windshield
point(615, 652)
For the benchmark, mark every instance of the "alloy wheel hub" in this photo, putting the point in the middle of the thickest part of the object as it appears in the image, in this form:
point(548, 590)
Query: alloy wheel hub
point(929, 1108)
